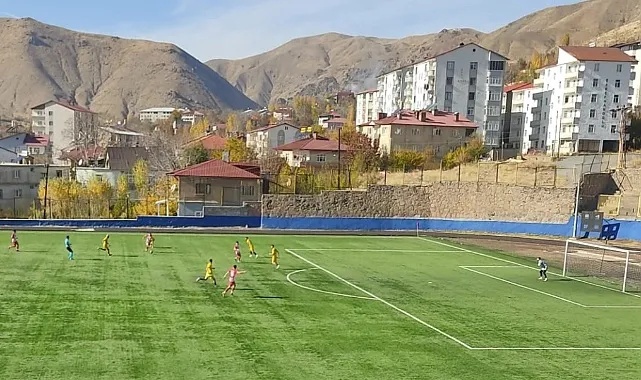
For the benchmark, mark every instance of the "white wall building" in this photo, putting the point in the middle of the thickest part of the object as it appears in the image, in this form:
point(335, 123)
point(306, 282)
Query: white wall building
point(516, 101)
point(265, 139)
point(154, 115)
point(59, 121)
point(467, 80)
point(366, 106)
point(634, 51)
point(587, 85)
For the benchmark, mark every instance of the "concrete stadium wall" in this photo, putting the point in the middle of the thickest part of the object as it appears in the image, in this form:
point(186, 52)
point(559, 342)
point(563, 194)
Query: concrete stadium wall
point(140, 222)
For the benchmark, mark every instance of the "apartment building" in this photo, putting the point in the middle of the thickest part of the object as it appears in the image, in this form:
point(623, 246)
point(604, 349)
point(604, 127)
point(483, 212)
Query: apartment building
point(154, 115)
point(437, 131)
point(60, 122)
point(634, 51)
point(536, 120)
point(588, 85)
point(19, 186)
point(264, 140)
point(467, 80)
point(314, 151)
point(366, 106)
point(516, 108)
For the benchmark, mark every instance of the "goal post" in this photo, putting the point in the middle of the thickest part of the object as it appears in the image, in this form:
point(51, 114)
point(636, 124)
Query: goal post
point(617, 266)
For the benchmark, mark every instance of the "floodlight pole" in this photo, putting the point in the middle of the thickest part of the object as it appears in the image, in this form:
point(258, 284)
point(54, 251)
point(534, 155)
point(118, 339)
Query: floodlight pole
point(576, 206)
point(625, 272)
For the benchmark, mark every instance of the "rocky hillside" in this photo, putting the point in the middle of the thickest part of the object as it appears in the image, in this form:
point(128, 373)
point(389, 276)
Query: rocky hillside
point(114, 76)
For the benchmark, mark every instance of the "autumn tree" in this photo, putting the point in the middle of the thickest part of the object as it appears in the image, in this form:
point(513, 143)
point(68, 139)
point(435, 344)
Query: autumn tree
point(305, 109)
point(565, 40)
point(164, 148)
point(249, 126)
point(121, 203)
point(239, 151)
point(199, 129)
point(232, 123)
point(99, 194)
point(195, 154)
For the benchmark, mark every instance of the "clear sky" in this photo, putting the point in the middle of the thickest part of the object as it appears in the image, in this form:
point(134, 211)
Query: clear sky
point(239, 28)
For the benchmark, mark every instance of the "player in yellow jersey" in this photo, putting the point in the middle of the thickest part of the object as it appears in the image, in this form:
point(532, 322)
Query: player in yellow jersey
point(105, 245)
point(209, 273)
point(250, 245)
point(274, 254)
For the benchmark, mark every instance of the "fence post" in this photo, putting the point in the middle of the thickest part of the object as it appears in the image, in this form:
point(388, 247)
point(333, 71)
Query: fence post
point(127, 204)
point(440, 172)
point(516, 175)
point(422, 170)
point(89, 207)
point(536, 174)
point(555, 175)
point(478, 171)
point(459, 172)
point(385, 177)
point(496, 178)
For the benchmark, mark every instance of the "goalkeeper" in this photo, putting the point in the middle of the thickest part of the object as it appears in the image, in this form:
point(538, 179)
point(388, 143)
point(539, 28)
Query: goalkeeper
point(543, 268)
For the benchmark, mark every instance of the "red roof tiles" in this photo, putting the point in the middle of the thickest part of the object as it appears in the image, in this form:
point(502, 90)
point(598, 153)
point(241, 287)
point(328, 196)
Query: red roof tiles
point(76, 108)
point(210, 142)
point(597, 54)
point(322, 144)
point(214, 169)
point(518, 87)
point(427, 119)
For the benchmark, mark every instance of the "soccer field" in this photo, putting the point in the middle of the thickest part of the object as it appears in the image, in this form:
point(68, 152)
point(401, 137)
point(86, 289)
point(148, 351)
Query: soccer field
point(338, 308)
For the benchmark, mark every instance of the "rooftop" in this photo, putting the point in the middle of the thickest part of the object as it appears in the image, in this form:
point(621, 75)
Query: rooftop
point(520, 86)
point(124, 158)
point(72, 107)
point(214, 169)
point(209, 142)
point(427, 119)
point(597, 54)
point(159, 109)
point(271, 126)
point(121, 130)
point(314, 143)
point(371, 90)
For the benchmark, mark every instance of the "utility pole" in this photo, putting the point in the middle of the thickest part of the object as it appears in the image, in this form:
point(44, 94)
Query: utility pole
point(623, 120)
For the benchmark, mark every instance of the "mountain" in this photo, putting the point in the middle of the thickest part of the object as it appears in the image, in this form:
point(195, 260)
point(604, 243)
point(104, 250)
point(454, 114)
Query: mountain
point(114, 76)
point(333, 62)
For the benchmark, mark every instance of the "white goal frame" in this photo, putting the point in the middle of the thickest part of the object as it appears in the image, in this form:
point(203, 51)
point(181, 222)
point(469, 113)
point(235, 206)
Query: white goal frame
point(604, 247)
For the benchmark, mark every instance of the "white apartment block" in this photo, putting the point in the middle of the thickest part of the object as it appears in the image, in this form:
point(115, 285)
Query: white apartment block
point(154, 115)
point(587, 85)
point(266, 139)
point(536, 121)
point(366, 106)
point(516, 107)
point(60, 122)
point(634, 51)
point(467, 80)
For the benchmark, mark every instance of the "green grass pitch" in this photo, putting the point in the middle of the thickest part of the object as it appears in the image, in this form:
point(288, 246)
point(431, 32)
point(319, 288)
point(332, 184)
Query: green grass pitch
point(338, 308)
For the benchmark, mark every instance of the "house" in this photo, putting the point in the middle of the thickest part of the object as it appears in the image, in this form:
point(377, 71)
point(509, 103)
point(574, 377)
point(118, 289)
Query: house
point(18, 147)
point(467, 80)
point(283, 114)
point(19, 186)
point(589, 86)
point(322, 119)
point(366, 106)
point(120, 135)
point(514, 113)
point(214, 184)
point(333, 120)
point(633, 50)
point(312, 151)
point(264, 140)
point(61, 123)
point(117, 162)
point(434, 130)
point(343, 97)
point(192, 117)
point(210, 142)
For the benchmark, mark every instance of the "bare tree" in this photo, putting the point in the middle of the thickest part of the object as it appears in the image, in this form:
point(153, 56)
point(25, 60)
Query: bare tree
point(85, 133)
point(164, 147)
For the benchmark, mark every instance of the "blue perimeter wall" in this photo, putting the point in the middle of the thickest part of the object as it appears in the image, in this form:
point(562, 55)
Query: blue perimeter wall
point(629, 230)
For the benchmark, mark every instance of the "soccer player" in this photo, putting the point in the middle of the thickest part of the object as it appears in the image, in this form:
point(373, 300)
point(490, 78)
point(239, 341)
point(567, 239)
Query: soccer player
point(237, 252)
point(231, 286)
point(275, 254)
point(209, 272)
point(14, 241)
point(250, 245)
point(68, 247)
point(543, 268)
point(149, 243)
point(105, 245)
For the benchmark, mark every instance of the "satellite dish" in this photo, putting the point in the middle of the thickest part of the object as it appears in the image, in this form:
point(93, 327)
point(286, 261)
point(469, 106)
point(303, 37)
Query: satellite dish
point(80, 162)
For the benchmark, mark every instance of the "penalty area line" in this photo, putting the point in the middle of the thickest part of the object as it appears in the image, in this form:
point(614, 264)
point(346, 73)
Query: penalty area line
point(460, 342)
point(556, 348)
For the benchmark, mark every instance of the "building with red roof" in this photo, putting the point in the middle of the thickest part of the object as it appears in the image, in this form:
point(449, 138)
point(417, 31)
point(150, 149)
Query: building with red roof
point(210, 142)
point(516, 98)
point(215, 183)
point(437, 131)
point(312, 151)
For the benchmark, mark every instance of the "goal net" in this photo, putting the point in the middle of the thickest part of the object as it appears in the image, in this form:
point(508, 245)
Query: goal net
point(608, 265)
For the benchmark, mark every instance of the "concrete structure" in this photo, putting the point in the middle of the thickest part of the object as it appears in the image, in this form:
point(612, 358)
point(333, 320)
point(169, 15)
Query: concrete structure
point(366, 106)
point(264, 140)
point(61, 122)
point(514, 112)
point(19, 148)
point(118, 161)
point(313, 151)
point(19, 186)
point(156, 114)
point(120, 135)
point(588, 84)
point(467, 80)
point(537, 121)
point(633, 50)
point(215, 183)
point(436, 131)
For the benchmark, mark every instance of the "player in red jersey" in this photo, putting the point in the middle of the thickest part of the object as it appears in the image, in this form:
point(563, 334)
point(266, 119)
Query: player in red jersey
point(14, 241)
point(237, 252)
point(231, 286)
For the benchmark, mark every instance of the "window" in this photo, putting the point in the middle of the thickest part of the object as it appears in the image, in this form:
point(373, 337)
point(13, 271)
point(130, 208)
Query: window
point(322, 157)
point(50, 113)
point(619, 68)
point(16, 174)
point(519, 120)
point(203, 188)
point(594, 98)
point(448, 96)
point(567, 100)
point(597, 67)
point(397, 131)
point(495, 97)
point(494, 111)
point(437, 132)
point(416, 131)
point(591, 128)
point(474, 65)
point(247, 190)
point(614, 114)
point(99, 178)
point(495, 81)
point(613, 129)
point(471, 96)
point(595, 83)
point(17, 193)
point(616, 98)
point(617, 83)
point(51, 123)
point(472, 81)
point(497, 65)
point(450, 65)
point(592, 114)
point(456, 132)
point(449, 81)
point(470, 111)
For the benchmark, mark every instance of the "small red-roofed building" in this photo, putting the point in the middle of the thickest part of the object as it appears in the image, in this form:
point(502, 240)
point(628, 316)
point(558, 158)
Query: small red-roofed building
point(436, 131)
point(312, 151)
point(215, 183)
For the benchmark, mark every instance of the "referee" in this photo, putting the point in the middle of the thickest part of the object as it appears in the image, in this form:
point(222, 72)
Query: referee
point(543, 268)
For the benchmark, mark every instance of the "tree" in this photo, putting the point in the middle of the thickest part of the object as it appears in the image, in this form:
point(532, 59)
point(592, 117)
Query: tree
point(350, 124)
point(85, 133)
point(249, 125)
point(195, 154)
point(122, 198)
point(99, 194)
point(199, 129)
point(407, 159)
point(565, 40)
point(239, 151)
point(305, 110)
point(363, 150)
point(635, 132)
point(232, 123)
point(164, 148)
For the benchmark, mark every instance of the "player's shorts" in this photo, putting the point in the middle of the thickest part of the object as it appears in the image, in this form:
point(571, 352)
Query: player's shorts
point(274, 260)
point(69, 249)
point(232, 282)
point(105, 246)
point(237, 253)
point(14, 241)
point(208, 276)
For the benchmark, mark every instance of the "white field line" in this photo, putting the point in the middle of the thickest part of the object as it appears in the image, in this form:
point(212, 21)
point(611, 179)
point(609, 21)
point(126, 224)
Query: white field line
point(370, 250)
point(556, 348)
point(381, 300)
point(524, 287)
point(526, 266)
point(490, 266)
point(323, 291)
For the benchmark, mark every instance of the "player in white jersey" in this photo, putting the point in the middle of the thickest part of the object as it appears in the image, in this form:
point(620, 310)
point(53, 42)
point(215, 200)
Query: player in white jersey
point(14, 241)
point(237, 252)
point(231, 286)
point(543, 268)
